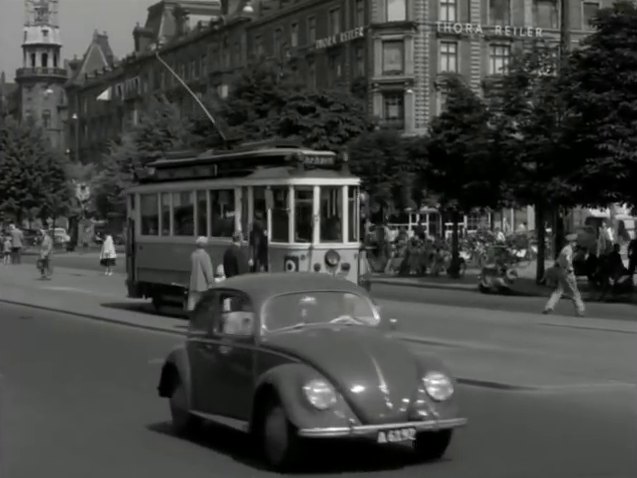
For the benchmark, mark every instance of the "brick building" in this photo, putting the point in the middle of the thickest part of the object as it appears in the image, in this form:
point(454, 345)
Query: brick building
point(390, 51)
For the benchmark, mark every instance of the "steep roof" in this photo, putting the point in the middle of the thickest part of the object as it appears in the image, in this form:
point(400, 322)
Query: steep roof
point(98, 56)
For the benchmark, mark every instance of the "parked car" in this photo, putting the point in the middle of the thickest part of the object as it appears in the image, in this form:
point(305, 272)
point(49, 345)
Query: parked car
point(292, 357)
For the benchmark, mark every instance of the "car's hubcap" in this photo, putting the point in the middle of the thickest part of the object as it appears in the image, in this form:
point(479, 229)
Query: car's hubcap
point(275, 435)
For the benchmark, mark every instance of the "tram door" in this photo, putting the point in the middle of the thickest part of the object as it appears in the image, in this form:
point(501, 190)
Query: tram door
point(258, 238)
point(131, 279)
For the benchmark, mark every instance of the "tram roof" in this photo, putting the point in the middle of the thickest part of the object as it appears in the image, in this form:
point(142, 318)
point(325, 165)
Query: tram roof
point(241, 161)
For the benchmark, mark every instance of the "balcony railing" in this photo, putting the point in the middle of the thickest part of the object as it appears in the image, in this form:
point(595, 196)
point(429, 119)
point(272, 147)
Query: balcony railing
point(41, 71)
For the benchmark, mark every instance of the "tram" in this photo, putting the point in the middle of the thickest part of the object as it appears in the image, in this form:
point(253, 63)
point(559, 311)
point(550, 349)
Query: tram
point(306, 201)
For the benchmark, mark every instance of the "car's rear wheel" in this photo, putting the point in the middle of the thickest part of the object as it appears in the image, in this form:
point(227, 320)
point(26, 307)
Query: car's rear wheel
point(279, 441)
point(432, 445)
point(183, 422)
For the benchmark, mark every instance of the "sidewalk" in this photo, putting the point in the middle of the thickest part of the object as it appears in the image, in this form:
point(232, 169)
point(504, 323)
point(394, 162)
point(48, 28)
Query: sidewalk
point(482, 347)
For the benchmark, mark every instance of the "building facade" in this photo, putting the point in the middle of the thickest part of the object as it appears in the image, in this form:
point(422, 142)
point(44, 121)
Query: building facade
point(391, 52)
point(41, 95)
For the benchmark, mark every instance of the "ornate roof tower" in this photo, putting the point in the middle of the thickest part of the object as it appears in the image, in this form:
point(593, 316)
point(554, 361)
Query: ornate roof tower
point(42, 76)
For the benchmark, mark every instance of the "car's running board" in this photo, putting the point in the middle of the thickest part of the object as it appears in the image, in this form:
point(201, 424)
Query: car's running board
point(241, 425)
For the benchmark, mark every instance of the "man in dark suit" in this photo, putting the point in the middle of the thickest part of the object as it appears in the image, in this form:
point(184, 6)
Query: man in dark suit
point(234, 259)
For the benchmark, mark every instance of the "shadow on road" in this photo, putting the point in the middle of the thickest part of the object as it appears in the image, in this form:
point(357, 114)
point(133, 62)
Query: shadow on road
point(146, 308)
point(334, 457)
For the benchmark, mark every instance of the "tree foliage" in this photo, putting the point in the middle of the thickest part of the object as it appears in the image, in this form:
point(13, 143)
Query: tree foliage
point(601, 92)
point(33, 176)
point(160, 130)
point(383, 161)
point(268, 101)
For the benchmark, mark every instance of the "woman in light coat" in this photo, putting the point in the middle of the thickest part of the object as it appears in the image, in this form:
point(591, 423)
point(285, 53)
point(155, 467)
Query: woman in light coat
point(108, 255)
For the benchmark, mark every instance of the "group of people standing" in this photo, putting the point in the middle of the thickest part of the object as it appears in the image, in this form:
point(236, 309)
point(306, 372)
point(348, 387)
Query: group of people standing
point(234, 262)
point(13, 245)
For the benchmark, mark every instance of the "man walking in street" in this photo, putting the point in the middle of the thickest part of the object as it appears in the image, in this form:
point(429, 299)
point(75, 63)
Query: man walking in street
point(258, 242)
point(16, 244)
point(46, 247)
point(201, 273)
point(234, 259)
point(566, 281)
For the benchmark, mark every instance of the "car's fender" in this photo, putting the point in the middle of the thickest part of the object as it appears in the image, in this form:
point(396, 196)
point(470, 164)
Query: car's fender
point(286, 382)
point(176, 368)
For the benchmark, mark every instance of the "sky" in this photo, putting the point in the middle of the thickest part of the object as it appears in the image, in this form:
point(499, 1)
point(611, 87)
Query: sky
point(78, 20)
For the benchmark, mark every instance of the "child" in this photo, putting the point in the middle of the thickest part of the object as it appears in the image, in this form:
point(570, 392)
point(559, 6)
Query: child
point(6, 250)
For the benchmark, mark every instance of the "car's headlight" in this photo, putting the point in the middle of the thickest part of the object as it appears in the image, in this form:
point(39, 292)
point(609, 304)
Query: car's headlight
point(320, 394)
point(438, 386)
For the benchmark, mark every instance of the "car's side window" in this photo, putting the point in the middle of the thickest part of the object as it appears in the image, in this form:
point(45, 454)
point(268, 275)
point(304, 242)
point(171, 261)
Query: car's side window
point(236, 315)
point(202, 318)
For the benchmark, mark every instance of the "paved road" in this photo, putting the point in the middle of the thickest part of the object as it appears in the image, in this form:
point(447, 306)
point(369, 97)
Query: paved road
point(468, 299)
point(79, 400)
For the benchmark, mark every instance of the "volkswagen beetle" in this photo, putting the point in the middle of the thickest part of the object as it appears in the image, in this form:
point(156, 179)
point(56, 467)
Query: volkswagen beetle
point(296, 357)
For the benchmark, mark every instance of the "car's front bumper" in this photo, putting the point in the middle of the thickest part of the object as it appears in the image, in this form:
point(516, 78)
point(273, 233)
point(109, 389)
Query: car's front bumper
point(372, 430)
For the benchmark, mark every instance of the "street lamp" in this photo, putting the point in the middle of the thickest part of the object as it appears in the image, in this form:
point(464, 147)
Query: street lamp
point(248, 8)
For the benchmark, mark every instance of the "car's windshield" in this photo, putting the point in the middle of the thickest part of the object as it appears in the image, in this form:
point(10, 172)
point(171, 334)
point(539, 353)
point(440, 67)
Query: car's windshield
point(324, 307)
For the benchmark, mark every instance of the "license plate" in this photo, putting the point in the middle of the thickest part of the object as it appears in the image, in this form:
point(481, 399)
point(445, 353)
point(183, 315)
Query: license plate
point(397, 435)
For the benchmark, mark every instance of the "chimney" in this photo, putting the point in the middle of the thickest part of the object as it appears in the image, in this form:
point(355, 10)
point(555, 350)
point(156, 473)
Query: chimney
point(143, 38)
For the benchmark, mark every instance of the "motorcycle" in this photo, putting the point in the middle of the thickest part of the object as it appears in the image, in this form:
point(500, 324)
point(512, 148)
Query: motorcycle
point(498, 274)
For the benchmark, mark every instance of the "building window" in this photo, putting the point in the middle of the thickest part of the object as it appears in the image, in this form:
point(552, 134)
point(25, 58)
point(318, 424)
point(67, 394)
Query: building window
point(226, 53)
point(396, 10)
point(277, 41)
point(202, 213)
point(394, 108)
point(55, 60)
point(280, 215)
point(194, 69)
point(258, 45)
point(45, 60)
point(331, 214)
point(183, 214)
point(311, 29)
point(359, 61)
point(393, 57)
point(202, 66)
point(46, 119)
point(545, 13)
point(589, 12)
point(448, 57)
point(334, 21)
point(360, 13)
point(499, 12)
point(311, 74)
point(32, 60)
point(448, 9)
point(499, 56)
point(294, 35)
point(45, 34)
point(441, 101)
point(335, 66)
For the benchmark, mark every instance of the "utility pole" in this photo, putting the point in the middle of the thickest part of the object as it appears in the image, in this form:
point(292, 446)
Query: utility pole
point(565, 33)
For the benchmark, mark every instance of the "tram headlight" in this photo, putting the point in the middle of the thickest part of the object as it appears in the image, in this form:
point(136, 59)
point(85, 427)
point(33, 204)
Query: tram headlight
point(332, 258)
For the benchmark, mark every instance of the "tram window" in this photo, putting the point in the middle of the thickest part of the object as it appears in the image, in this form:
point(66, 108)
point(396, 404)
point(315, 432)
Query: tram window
point(183, 214)
point(150, 214)
point(222, 212)
point(244, 212)
point(352, 195)
point(202, 213)
point(331, 214)
point(280, 215)
point(165, 214)
point(259, 207)
point(303, 198)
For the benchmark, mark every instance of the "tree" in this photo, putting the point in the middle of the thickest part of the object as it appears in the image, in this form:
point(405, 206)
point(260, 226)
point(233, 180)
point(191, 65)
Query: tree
point(531, 121)
point(464, 168)
point(267, 101)
point(381, 158)
point(601, 92)
point(33, 177)
point(160, 130)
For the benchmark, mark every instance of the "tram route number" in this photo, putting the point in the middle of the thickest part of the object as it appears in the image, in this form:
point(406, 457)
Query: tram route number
point(318, 160)
point(396, 436)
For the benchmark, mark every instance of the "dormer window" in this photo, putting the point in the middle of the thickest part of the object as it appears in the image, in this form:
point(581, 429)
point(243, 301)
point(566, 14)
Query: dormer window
point(45, 33)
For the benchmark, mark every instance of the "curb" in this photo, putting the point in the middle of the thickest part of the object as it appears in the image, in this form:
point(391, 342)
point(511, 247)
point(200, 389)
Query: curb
point(464, 381)
point(425, 285)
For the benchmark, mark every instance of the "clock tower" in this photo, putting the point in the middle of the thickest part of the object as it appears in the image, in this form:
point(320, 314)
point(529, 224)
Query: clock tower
point(42, 76)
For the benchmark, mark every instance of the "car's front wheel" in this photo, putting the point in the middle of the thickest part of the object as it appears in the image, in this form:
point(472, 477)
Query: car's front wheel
point(183, 422)
point(432, 445)
point(279, 441)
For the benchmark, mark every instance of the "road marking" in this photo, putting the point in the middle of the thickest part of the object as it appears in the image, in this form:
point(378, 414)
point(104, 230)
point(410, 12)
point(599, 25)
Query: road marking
point(588, 327)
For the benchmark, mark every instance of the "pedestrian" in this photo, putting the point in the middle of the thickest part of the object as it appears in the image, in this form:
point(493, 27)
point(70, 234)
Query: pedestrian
point(108, 255)
point(258, 242)
point(201, 273)
point(6, 250)
point(234, 259)
point(566, 280)
point(632, 256)
point(46, 247)
point(16, 244)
